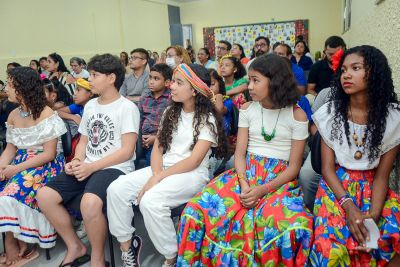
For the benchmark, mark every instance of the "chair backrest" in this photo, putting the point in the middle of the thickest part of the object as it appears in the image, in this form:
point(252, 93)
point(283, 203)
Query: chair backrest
point(316, 153)
point(66, 140)
point(235, 120)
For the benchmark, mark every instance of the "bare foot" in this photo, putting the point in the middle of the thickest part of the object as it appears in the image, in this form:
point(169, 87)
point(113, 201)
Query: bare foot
point(75, 252)
point(23, 247)
point(12, 249)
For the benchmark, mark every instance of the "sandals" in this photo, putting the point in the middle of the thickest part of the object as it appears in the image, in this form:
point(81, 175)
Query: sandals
point(77, 262)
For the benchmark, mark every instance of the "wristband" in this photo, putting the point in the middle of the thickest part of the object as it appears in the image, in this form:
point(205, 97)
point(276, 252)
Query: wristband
point(241, 177)
point(344, 201)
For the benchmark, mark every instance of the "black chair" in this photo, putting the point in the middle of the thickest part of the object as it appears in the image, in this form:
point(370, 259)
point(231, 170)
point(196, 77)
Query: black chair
point(66, 140)
point(74, 208)
point(315, 150)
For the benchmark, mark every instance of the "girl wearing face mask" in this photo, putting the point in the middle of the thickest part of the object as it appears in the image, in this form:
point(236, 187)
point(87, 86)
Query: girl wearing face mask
point(176, 55)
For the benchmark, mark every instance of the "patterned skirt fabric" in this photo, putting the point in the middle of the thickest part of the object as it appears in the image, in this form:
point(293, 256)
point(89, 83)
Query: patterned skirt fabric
point(334, 244)
point(19, 212)
point(216, 230)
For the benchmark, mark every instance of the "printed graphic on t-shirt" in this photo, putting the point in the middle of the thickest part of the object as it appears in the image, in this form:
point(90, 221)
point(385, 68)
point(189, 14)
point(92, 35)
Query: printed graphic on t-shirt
point(101, 134)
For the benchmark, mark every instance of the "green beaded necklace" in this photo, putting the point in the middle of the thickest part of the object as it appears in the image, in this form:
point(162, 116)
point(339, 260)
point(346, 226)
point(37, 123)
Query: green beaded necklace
point(268, 137)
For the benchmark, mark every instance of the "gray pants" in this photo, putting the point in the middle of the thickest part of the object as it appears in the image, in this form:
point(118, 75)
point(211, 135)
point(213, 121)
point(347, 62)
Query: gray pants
point(309, 181)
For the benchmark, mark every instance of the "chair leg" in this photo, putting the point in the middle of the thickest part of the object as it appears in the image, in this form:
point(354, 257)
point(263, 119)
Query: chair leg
point(48, 254)
point(110, 244)
point(3, 235)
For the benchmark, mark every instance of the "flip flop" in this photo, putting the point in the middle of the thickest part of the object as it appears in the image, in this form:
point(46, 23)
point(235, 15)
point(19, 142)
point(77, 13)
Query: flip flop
point(26, 258)
point(77, 262)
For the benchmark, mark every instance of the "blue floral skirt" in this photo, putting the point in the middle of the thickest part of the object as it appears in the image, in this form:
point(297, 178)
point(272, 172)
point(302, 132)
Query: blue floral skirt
point(19, 212)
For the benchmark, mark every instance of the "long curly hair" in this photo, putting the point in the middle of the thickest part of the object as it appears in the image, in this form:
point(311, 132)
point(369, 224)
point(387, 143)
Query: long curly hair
point(204, 111)
point(29, 87)
point(381, 95)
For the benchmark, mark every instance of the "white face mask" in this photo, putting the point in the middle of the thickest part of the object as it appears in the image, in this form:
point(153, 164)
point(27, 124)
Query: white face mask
point(170, 61)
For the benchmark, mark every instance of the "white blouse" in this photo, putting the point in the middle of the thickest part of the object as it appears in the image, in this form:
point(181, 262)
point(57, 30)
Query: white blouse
point(287, 129)
point(35, 136)
point(344, 154)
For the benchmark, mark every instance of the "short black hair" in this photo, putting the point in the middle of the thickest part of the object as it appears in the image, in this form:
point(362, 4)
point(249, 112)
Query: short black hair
point(205, 49)
point(2, 83)
point(282, 86)
point(228, 44)
point(142, 51)
point(335, 41)
point(108, 64)
point(288, 48)
point(263, 38)
point(163, 69)
point(43, 58)
point(14, 64)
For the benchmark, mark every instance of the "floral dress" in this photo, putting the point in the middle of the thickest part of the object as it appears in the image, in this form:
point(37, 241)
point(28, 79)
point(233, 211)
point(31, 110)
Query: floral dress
point(334, 244)
point(19, 212)
point(216, 230)
point(238, 99)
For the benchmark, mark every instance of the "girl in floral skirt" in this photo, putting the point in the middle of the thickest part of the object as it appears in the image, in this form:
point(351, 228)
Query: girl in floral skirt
point(32, 157)
point(253, 215)
point(361, 132)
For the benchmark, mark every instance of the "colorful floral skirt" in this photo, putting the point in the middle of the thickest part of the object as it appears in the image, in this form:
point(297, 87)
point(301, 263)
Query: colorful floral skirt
point(216, 230)
point(19, 212)
point(334, 245)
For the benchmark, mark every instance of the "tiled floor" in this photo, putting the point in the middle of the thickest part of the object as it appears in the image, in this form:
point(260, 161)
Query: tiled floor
point(149, 256)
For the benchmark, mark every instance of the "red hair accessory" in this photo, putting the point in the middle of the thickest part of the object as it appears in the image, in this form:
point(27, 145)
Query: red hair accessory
point(336, 59)
point(42, 76)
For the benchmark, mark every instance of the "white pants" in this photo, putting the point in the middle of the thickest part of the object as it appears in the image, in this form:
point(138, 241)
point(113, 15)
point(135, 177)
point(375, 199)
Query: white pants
point(156, 205)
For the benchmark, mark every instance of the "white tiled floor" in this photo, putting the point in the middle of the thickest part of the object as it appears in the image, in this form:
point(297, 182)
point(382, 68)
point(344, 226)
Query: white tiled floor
point(149, 257)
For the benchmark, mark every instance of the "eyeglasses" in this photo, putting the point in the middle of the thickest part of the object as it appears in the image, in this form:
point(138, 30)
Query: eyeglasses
point(221, 48)
point(260, 45)
point(135, 58)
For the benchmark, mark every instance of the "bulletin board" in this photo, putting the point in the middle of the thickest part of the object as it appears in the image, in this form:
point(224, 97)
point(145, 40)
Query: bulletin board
point(284, 31)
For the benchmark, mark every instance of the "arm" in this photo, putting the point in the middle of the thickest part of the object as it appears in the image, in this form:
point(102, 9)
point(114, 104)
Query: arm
point(8, 155)
point(219, 104)
point(123, 90)
point(156, 160)
point(64, 109)
point(68, 116)
point(189, 164)
point(49, 153)
point(381, 183)
point(237, 90)
point(82, 170)
point(240, 155)
point(302, 89)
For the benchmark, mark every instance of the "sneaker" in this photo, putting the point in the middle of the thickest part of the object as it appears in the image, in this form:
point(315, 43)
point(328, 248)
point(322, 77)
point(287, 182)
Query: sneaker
point(130, 258)
point(81, 232)
point(166, 264)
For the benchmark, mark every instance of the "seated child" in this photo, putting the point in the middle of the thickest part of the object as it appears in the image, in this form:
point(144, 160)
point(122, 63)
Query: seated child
point(152, 105)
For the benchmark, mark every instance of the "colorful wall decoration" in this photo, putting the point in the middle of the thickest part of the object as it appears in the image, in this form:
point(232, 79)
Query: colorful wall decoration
point(285, 31)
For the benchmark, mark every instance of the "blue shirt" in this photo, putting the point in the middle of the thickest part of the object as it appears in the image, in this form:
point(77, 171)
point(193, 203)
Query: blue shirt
point(76, 109)
point(305, 105)
point(299, 75)
point(228, 116)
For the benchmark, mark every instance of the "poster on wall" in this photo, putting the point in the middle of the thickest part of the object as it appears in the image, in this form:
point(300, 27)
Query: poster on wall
point(285, 32)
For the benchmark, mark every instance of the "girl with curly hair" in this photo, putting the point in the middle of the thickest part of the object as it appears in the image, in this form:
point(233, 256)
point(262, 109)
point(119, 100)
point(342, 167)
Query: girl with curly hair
point(360, 130)
point(31, 159)
point(253, 215)
point(190, 126)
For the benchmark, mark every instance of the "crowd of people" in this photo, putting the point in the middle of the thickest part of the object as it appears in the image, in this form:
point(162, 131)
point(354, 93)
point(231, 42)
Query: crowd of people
point(228, 138)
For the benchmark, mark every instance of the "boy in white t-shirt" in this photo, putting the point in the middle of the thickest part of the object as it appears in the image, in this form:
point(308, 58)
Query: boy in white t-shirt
point(106, 150)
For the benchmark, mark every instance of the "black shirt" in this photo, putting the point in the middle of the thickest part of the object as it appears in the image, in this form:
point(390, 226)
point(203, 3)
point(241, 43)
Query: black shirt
point(321, 74)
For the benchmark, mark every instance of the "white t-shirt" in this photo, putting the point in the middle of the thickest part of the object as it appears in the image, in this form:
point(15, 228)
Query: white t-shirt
point(104, 125)
point(182, 140)
point(83, 74)
point(344, 154)
point(287, 129)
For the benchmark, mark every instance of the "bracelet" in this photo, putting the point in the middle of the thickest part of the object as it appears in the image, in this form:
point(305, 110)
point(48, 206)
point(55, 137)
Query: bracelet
point(241, 177)
point(78, 159)
point(343, 197)
point(344, 201)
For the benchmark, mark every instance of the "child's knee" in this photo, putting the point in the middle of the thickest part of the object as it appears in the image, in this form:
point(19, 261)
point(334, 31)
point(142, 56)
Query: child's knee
point(91, 206)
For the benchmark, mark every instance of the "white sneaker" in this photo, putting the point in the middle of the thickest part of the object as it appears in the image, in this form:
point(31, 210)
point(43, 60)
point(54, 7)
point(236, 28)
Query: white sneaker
point(81, 232)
